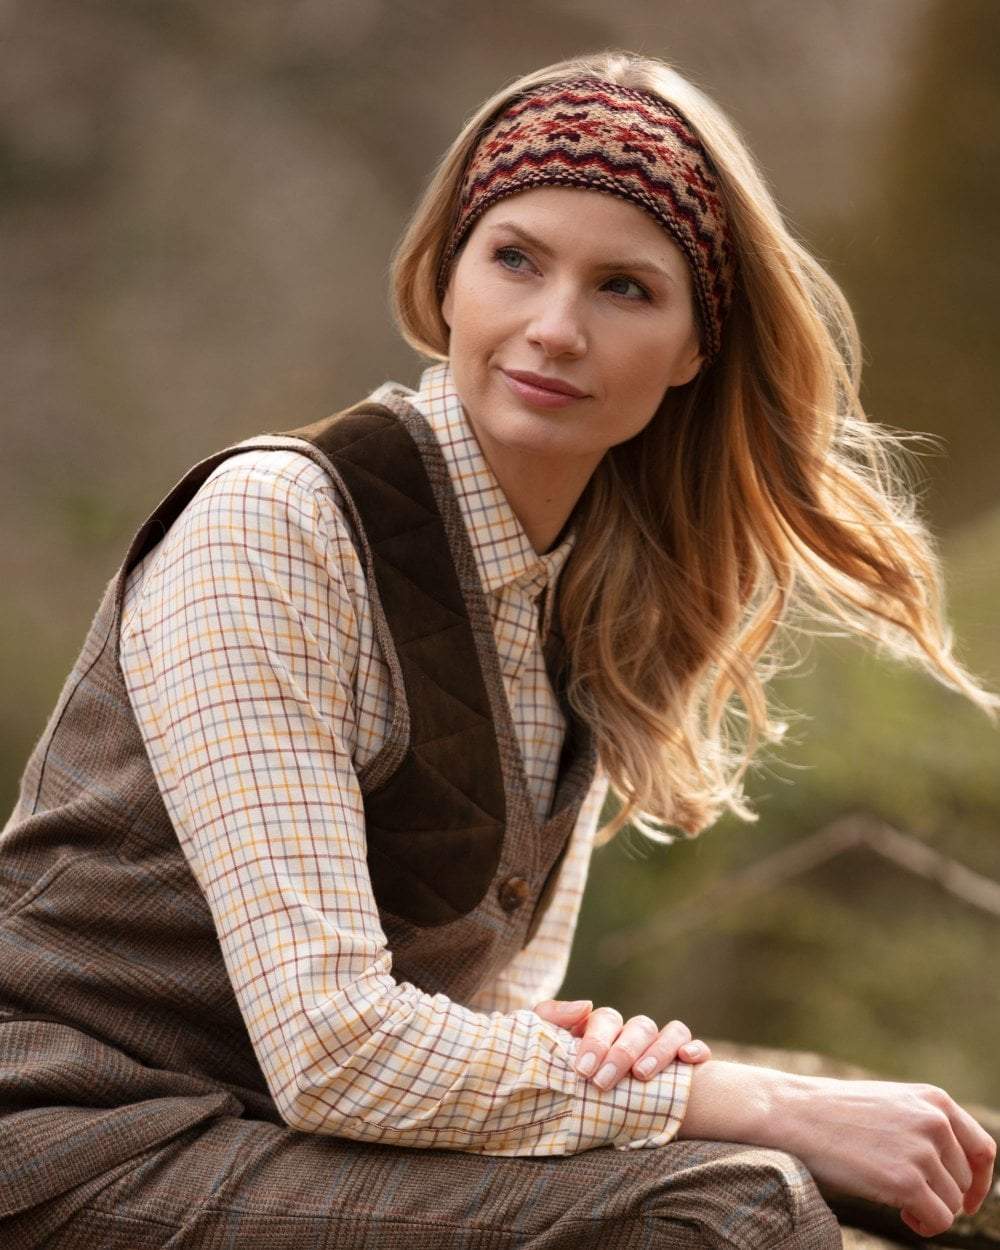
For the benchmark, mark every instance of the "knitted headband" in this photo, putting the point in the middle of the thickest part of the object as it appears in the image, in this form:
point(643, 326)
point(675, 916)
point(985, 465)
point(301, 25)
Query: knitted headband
point(585, 132)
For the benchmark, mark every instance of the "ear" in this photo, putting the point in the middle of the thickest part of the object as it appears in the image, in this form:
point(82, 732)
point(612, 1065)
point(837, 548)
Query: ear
point(685, 375)
point(688, 369)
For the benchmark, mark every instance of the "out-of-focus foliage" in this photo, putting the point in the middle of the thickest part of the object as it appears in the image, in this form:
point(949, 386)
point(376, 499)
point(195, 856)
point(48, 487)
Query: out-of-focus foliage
point(923, 262)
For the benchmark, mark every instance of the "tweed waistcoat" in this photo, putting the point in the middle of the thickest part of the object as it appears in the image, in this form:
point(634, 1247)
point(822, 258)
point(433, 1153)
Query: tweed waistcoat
point(104, 928)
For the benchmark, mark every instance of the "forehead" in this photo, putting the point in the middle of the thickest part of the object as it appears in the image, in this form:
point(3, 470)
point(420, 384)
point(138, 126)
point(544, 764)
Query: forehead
point(591, 224)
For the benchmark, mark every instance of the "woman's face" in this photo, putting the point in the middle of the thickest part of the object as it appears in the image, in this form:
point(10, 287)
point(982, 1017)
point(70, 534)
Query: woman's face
point(579, 287)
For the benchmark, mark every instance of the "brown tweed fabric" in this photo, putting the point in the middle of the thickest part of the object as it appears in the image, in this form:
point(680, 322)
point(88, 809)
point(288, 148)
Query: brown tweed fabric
point(209, 1179)
point(597, 135)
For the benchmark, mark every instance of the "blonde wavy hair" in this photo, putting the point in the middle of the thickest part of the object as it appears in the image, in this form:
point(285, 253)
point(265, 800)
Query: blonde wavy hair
point(758, 492)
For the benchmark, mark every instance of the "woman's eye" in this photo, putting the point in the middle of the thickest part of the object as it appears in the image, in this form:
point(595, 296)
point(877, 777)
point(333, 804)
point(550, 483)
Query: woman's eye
point(642, 292)
point(502, 254)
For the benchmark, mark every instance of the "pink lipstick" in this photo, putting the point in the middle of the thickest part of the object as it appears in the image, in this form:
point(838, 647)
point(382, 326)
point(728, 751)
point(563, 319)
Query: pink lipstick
point(540, 391)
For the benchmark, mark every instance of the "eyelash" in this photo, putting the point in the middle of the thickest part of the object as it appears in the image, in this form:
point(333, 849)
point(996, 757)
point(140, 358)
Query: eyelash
point(501, 251)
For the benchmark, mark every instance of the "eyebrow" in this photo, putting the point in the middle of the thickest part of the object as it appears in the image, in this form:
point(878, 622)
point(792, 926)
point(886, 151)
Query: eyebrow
point(637, 264)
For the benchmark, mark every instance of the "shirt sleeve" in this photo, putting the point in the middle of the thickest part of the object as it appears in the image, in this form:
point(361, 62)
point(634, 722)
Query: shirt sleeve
point(240, 657)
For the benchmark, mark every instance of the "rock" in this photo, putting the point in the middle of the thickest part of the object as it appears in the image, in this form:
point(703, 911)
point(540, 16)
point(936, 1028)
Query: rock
point(855, 1239)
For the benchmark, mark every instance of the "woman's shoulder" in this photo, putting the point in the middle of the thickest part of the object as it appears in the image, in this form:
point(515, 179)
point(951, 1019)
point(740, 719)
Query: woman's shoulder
point(278, 474)
point(276, 504)
point(260, 486)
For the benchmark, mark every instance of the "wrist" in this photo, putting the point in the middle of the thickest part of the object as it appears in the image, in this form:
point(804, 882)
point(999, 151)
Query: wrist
point(740, 1102)
point(793, 1098)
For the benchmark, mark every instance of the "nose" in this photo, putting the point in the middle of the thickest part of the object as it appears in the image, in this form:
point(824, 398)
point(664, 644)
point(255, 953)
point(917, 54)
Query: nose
point(556, 323)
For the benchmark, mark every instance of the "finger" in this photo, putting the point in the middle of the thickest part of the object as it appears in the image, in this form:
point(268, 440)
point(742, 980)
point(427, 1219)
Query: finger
point(663, 1049)
point(959, 1169)
point(579, 1027)
point(571, 1014)
point(603, 1026)
point(631, 1042)
point(943, 1184)
point(980, 1151)
point(982, 1177)
point(561, 1008)
point(695, 1051)
point(967, 1151)
point(915, 1224)
point(932, 1214)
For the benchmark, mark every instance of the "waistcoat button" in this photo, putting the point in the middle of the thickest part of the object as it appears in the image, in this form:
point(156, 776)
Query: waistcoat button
point(512, 893)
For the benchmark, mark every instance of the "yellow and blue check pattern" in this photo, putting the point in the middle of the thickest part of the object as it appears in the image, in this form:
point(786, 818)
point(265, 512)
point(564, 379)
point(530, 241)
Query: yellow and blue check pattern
point(252, 665)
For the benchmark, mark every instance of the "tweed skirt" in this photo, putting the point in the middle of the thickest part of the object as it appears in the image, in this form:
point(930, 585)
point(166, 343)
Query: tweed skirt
point(98, 1152)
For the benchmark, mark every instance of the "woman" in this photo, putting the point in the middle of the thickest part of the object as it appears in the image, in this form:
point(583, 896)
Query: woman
point(296, 864)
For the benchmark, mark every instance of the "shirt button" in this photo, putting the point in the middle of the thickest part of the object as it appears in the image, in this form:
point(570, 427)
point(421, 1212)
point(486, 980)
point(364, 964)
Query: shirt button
point(512, 893)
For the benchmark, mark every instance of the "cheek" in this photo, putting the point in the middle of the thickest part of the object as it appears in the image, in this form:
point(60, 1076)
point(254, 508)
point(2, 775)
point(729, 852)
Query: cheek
point(639, 371)
point(476, 326)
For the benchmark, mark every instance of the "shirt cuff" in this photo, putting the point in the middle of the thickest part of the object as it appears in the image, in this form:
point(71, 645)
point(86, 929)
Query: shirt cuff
point(674, 1099)
point(632, 1115)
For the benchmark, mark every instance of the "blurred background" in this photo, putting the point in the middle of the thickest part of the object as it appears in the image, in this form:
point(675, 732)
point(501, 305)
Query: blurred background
point(199, 203)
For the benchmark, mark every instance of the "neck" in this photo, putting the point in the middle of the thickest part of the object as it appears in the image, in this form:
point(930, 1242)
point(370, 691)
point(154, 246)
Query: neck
point(540, 498)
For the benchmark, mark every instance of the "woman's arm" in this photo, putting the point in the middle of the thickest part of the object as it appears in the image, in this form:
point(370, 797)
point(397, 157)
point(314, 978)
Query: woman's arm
point(244, 657)
point(910, 1146)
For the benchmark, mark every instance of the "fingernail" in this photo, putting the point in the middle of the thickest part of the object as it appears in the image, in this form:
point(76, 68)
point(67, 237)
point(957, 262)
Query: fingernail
point(587, 1064)
point(570, 1009)
point(693, 1048)
point(645, 1067)
point(606, 1075)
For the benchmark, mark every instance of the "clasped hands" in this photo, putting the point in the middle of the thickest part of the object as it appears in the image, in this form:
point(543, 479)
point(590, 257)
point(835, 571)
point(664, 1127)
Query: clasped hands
point(613, 1048)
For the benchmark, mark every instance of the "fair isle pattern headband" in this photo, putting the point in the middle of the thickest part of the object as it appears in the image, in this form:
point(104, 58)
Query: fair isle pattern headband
point(585, 132)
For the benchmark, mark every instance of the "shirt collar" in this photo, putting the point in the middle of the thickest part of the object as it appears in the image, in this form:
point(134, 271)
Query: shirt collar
point(504, 554)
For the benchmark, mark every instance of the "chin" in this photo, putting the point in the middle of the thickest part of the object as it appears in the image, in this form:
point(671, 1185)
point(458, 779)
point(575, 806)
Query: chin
point(542, 436)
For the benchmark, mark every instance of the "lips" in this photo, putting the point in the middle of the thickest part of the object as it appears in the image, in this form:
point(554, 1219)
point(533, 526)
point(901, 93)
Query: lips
point(556, 385)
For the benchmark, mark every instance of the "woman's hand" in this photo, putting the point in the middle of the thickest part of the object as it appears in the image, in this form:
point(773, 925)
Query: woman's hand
point(909, 1146)
point(612, 1048)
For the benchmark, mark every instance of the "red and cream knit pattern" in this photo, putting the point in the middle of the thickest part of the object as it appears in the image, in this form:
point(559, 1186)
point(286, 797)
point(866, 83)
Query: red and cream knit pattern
point(586, 132)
